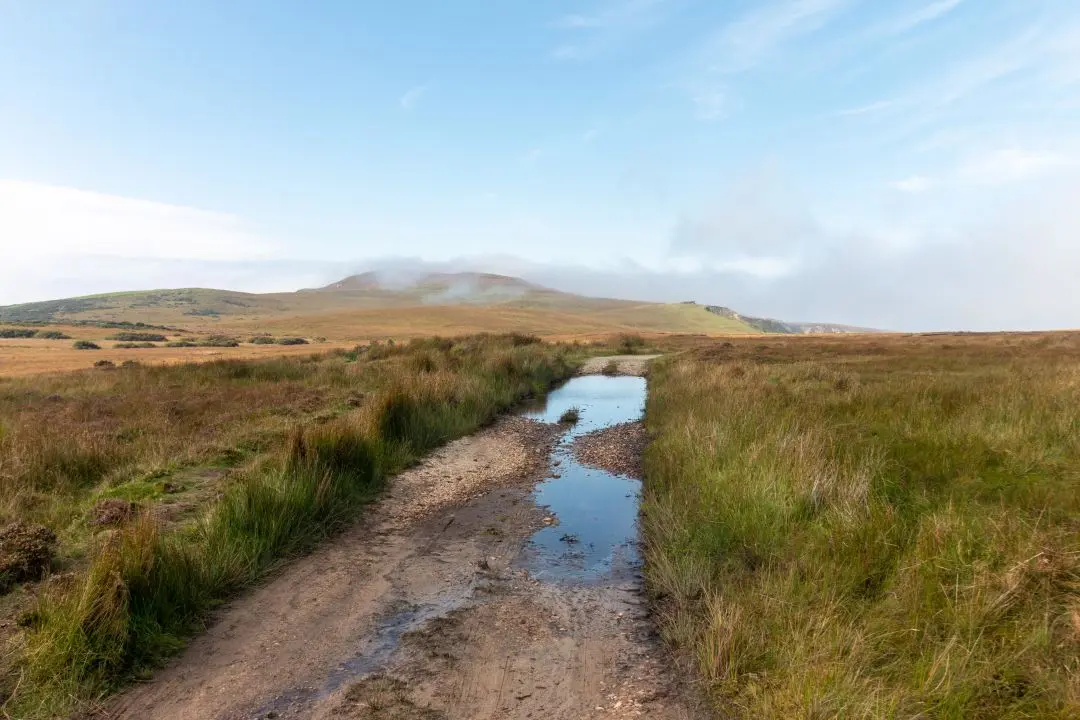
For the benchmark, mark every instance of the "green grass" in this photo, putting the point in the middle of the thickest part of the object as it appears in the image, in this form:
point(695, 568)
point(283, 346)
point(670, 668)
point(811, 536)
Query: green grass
point(145, 590)
point(893, 532)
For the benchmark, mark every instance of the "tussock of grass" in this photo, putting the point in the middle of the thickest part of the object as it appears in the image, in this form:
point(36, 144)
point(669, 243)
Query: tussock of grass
point(146, 589)
point(883, 533)
point(571, 416)
point(85, 345)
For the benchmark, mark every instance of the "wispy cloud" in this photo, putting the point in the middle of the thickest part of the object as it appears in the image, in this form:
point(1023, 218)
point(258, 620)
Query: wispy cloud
point(925, 14)
point(41, 220)
point(750, 40)
point(413, 97)
point(591, 33)
point(711, 102)
point(870, 108)
point(532, 155)
point(746, 43)
point(914, 185)
point(1010, 165)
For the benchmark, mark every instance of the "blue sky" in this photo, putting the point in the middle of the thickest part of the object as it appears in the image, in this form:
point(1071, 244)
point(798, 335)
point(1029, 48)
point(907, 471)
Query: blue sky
point(908, 164)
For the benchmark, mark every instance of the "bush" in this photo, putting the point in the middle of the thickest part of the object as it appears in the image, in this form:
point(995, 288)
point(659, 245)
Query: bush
point(105, 364)
point(180, 344)
point(571, 416)
point(134, 345)
point(17, 333)
point(218, 341)
point(292, 341)
point(85, 345)
point(630, 343)
point(52, 335)
point(137, 337)
point(262, 340)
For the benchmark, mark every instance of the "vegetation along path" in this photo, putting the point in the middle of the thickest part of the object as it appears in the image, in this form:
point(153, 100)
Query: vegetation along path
point(498, 579)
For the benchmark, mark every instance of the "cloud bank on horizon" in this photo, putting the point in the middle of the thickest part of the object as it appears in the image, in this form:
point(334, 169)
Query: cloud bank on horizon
point(907, 165)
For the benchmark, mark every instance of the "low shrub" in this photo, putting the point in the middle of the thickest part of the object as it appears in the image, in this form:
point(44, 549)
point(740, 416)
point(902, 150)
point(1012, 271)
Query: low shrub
point(134, 345)
point(137, 337)
point(291, 341)
point(17, 333)
point(180, 344)
point(85, 345)
point(262, 340)
point(630, 343)
point(52, 335)
point(104, 364)
point(218, 341)
point(571, 416)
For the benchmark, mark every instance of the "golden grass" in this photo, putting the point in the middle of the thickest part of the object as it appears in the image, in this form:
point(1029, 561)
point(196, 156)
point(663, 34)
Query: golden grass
point(20, 358)
point(871, 526)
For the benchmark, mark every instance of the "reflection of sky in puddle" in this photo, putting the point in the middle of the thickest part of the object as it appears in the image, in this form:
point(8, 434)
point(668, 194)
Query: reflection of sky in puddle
point(603, 401)
point(596, 510)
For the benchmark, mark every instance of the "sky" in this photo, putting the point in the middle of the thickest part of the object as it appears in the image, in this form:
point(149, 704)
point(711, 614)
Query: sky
point(903, 164)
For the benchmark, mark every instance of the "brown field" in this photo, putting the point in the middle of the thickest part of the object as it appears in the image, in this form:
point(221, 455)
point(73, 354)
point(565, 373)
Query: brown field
point(19, 358)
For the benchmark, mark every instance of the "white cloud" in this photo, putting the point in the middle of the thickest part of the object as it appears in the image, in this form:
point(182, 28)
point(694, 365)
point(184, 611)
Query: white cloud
point(620, 13)
point(711, 102)
point(45, 220)
point(568, 52)
point(750, 40)
point(604, 27)
point(925, 14)
point(870, 108)
point(1010, 165)
point(413, 97)
point(914, 185)
point(532, 155)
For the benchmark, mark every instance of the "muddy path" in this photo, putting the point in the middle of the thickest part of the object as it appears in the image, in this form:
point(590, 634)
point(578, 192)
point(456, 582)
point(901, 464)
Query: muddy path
point(498, 579)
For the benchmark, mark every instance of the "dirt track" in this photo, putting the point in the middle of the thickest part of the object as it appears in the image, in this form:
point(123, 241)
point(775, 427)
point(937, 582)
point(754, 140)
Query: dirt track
point(420, 611)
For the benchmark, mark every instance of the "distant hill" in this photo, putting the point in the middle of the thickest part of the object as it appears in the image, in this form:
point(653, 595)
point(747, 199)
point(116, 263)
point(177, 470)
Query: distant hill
point(769, 325)
point(385, 304)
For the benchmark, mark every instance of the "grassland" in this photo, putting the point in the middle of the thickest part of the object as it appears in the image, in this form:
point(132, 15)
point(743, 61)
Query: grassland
point(342, 329)
point(871, 527)
point(227, 467)
point(355, 310)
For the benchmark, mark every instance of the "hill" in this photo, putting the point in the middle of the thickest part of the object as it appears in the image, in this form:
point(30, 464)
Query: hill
point(770, 325)
point(379, 305)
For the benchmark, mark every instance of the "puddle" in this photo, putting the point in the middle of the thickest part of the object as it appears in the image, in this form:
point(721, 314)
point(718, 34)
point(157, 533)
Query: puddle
point(597, 511)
